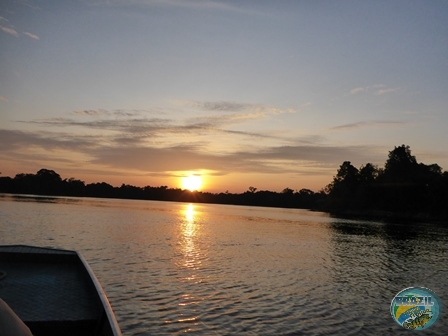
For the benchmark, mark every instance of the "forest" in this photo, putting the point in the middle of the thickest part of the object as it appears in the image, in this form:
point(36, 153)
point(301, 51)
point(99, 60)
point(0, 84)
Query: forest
point(403, 188)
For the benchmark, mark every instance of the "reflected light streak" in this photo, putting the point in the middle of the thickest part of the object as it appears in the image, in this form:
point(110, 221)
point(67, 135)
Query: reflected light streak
point(193, 255)
point(189, 232)
point(189, 214)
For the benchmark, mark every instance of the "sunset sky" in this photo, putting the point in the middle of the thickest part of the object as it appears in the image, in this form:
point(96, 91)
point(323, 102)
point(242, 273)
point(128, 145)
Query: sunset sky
point(270, 94)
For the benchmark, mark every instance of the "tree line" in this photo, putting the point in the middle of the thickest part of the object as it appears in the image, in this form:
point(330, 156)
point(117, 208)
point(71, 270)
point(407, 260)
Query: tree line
point(403, 187)
point(48, 182)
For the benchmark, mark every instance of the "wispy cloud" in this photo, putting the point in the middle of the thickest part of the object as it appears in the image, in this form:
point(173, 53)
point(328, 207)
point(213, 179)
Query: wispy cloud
point(138, 121)
point(221, 106)
point(217, 140)
point(370, 123)
point(31, 35)
point(28, 4)
point(221, 131)
point(10, 31)
point(386, 91)
point(11, 140)
point(3, 99)
point(227, 106)
point(357, 90)
point(377, 89)
point(186, 4)
point(302, 140)
point(115, 113)
point(91, 112)
point(135, 125)
point(184, 156)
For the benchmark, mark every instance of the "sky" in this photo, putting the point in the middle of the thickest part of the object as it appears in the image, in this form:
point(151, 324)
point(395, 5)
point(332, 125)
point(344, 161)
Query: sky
point(269, 94)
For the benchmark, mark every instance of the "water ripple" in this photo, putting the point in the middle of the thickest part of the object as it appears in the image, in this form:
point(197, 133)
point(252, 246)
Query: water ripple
point(172, 268)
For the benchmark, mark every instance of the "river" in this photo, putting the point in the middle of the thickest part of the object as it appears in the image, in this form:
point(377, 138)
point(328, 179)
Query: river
point(174, 268)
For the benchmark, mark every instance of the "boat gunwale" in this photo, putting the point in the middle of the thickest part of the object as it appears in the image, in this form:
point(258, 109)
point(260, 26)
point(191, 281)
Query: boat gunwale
point(103, 297)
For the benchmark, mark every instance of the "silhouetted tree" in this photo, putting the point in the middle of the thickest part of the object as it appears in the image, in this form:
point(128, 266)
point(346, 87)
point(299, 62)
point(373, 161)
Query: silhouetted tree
point(6, 184)
point(368, 173)
point(252, 189)
point(48, 182)
point(73, 187)
point(102, 189)
point(287, 191)
point(403, 187)
point(25, 183)
point(344, 186)
point(367, 193)
point(400, 165)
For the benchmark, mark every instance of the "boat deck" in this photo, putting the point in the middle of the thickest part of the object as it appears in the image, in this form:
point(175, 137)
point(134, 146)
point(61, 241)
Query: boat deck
point(47, 286)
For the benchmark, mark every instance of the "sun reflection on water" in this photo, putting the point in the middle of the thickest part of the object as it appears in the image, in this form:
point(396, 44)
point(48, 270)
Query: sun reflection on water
point(191, 265)
point(189, 237)
point(189, 216)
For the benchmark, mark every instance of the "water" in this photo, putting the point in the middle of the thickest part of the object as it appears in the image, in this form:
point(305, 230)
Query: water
point(175, 268)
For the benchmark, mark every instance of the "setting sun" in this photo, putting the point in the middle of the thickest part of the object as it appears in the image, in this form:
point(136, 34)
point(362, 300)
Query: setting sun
point(192, 182)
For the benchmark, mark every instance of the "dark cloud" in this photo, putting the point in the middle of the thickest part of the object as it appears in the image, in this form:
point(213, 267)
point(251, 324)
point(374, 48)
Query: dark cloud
point(309, 139)
point(113, 113)
point(132, 153)
point(125, 125)
point(134, 126)
point(276, 160)
point(152, 126)
point(313, 154)
point(369, 124)
point(91, 112)
point(11, 140)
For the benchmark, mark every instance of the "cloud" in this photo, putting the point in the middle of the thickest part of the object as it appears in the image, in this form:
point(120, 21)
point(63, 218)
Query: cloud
point(14, 33)
point(10, 31)
point(129, 139)
point(385, 91)
point(12, 140)
point(309, 139)
point(3, 99)
point(27, 4)
point(377, 89)
point(136, 125)
point(227, 106)
point(91, 112)
point(186, 4)
point(310, 153)
point(371, 123)
point(182, 157)
point(113, 113)
point(31, 35)
point(136, 121)
point(270, 160)
point(221, 106)
point(185, 156)
point(357, 90)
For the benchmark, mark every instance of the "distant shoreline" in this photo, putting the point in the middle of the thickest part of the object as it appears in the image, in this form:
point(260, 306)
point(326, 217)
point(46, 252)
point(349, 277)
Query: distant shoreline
point(382, 216)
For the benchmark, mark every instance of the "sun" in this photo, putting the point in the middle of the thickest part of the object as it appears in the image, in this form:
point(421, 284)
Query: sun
point(192, 182)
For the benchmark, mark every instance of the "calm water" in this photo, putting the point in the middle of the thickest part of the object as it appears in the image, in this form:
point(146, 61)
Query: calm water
point(174, 268)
